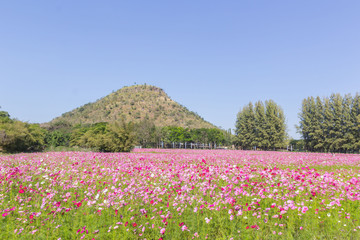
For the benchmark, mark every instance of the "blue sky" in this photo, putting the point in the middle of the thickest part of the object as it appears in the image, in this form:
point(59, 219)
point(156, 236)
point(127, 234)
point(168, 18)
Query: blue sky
point(211, 56)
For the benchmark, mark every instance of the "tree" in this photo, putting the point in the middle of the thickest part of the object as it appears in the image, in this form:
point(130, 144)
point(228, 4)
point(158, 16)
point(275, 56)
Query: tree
point(306, 122)
point(261, 138)
point(245, 126)
point(318, 128)
point(355, 119)
point(105, 137)
point(327, 125)
point(262, 126)
point(336, 134)
point(120, 137)
point(145, 132)
point(17, 136)
point(331, 124)
point(4, 117)
point(346, 124)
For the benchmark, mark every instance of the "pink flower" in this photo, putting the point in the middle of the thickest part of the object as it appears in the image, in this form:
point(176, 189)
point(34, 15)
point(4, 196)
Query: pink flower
point(304, 209)
point(162, 231)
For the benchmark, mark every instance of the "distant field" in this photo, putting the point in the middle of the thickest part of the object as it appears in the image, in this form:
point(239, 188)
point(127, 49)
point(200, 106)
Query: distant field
point(180, 194)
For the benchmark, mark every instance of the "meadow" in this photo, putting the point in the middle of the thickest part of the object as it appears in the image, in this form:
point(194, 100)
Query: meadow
point(180, 194)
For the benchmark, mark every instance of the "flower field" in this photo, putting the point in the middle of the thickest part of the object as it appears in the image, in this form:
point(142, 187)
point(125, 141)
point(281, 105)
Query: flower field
point(180, 194)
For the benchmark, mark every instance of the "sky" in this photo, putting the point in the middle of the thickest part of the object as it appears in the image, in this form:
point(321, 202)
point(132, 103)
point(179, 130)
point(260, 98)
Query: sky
point(213, 57)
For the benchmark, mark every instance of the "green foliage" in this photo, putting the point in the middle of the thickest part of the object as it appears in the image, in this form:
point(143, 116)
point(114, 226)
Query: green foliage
point(105, 137)
point(146, 133)
point(245, 126)
point(57, 138)
point(17, 136)
point(298, 144)
point(4, 117)
point(330, 124)
point(262, 126)
point(120, 137)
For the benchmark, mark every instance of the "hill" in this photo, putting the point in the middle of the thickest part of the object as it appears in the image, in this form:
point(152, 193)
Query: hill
point(136, 103)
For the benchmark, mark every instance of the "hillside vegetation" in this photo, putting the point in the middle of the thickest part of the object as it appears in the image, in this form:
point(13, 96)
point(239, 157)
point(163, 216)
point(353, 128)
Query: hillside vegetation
point(134, 104)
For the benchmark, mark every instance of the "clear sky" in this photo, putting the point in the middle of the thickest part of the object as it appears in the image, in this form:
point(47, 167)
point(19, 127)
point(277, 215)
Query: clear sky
point(211, 56)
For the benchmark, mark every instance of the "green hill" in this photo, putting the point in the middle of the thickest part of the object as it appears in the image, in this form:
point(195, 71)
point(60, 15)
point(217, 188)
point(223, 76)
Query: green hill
point(136, 103)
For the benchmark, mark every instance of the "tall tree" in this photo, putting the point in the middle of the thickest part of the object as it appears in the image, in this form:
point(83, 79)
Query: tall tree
point(318, 130)
point(336, 134)
point(332, 125)
point(280, 128)
point(245, 125)
point(261, 135)
point(262, 126)
point(327, 125)
point(346, 124)
point(306, 127)
point(355, 119)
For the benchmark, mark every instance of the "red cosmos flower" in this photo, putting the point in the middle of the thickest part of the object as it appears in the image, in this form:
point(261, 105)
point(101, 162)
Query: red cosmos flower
point(161, 238)
point(31, 216)
point(280, 216)
point(21, 191)
point(181, 224)
point(152, 201)
point(247, 227)
point(126, 224)
point(134, 224)
point(79, 204)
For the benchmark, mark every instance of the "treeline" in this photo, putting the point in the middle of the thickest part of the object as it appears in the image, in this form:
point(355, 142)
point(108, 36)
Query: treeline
point(17, 136)
point(261, 126)
point(331, 124)
point(148, 135)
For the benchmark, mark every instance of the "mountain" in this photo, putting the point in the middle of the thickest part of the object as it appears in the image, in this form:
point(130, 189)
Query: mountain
point(136, 103)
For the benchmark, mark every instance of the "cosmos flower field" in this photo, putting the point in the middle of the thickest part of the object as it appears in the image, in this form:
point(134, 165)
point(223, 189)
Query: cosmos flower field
point(180, 194)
